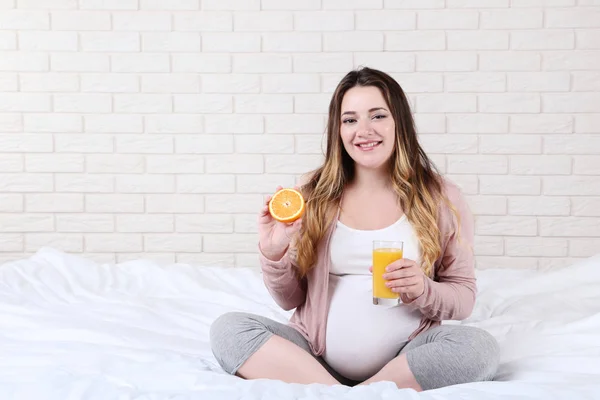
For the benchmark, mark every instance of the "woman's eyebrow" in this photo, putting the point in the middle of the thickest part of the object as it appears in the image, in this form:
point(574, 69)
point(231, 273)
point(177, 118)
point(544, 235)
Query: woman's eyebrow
point(371, 110)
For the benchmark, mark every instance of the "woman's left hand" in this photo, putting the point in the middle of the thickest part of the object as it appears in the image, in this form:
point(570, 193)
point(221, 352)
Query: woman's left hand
point(405, 277)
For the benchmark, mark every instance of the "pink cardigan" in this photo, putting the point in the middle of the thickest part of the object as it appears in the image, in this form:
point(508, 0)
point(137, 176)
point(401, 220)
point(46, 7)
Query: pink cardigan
point(450, 295)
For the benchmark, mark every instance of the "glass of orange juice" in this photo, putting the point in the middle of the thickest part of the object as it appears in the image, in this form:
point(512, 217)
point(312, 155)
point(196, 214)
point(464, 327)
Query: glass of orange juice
point(384, 253)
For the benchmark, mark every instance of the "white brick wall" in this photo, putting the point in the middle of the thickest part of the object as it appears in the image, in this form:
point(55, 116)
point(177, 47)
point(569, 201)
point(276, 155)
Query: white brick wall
point(153, 128)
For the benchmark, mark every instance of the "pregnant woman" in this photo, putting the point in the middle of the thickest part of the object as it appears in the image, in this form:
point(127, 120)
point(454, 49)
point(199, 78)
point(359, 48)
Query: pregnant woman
point(376, 183)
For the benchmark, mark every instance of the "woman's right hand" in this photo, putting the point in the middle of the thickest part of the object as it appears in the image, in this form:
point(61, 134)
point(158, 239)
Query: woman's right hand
point(274, 236)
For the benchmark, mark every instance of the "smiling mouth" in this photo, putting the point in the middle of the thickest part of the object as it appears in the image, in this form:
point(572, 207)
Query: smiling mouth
point(369, 145)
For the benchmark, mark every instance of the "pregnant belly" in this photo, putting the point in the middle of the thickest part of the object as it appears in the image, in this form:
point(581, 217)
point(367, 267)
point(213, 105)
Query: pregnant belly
point(361, 337)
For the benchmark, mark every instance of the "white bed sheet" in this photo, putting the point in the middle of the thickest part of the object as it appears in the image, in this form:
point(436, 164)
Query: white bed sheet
point(74, 329)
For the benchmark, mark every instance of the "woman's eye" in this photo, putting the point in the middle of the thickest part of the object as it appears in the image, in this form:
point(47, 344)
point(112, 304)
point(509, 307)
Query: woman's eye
point(379, 116)
point(349, 121)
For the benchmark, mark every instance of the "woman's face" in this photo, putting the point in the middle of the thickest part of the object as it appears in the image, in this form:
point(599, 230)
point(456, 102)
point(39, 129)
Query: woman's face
point(367, 128)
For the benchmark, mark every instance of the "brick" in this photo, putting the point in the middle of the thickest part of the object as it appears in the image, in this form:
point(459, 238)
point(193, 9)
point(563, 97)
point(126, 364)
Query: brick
point(542, 40)
point(201, 63)
point(114, 242)
point(573, 18)
point(449, 144)
point(26, 223)
point(84, 183)
point(509, 61)
point(226, 260)
point(55, 123)
point(509, 103)
point(24, 102)
point(11, 123)
point(510, 144)
point(413, 4)
point(310, 144)
point(233, 203)
point(81, 20)
point(572, 185)
point(586, 165)
point(161, 259)
point(572, 60)
point(323, 21)
point(415, 41)
point(264, 103)
point(540, 165)
point(290, 83)
point(204, 223)
point(298, 124)
point(143, 103)
point(48, 4)
point(539, 205)
point(475, 82)
point(416, 82)
point(11, 242)
point(571, 102)
point(8, 41)
point(9, 83)
point(586, 81)
point(511, 19)
point(234, 164)
point(487, 205)
point(587, 123)
point(25, 143)
point(477, 4)
point(386, 20)
point(584, 247)
point(541, 3)
point(291, 42)
point(140, 63)
point(323, 62)
point(352, 41)
point(290, 5)
point(173, 123)
point(216, 183)
point(204, 144)
point(110, 41)
point(54, 162)
point(586, 206)
point(174, 203)
point(264, 144)
point(173, 242)
point(141, 21)
point(171, 42)
point(234, 124)
point(114, 203)
point(510, 185)
point(113, 123)
point(266, 183)
point(114, 163)
point(7, 4)
point(245, 223)
point(352, 4)
point(542, 123)
point(477, 123)
point(491, 262)
point(48, 82)
point(170, 83)
point(11, 202)
point(23, 62)
point(263, 21)
point(136, 183)
point(48, 41)
point(390, 62)
point(439, 162)
point(203, 103)
point(145, 223)
point(84, 223)
point(231, 83)
point(536, 247)
point(108, 4)
point(109, 83)
point(465, 164)
point(88, 143)
point(235, 243)
point(570, 226)
point(79, 62)
point(24, 20)
point(505, 226)
point(292, 164)
point(83, 103)
point(11, 163)
point(430, 123)
point(587, 39)
point(240, 5)
point(203, 21)
point(249, 260)
point(174, 164)
point(231, 42)
point(447, 62)
point(171, 5)
point(477, 40)
point(489, 246)
point(450, 103)
point(54, 202)
point(447, 19)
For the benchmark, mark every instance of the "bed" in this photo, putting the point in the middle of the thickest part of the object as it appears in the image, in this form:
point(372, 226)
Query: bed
point(71, 328)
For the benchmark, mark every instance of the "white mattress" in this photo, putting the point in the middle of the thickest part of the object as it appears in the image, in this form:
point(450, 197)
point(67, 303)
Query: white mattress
point(74, 329)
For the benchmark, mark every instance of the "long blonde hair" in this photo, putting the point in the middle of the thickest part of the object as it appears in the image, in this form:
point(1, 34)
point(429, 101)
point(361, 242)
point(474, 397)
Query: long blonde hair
point(414, 178)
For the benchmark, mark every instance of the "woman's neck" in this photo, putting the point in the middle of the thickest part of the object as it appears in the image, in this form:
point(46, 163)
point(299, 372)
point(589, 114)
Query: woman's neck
point(371, 180)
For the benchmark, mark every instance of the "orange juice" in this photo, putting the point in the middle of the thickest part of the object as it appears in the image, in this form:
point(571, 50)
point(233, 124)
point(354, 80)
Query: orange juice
point(382, 257)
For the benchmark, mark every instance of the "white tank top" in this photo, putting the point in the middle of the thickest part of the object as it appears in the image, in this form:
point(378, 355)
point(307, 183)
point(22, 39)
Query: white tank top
point(361, 337)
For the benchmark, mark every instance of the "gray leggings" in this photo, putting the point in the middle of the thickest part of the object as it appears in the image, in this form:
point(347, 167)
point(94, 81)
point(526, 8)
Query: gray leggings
point(441, 356)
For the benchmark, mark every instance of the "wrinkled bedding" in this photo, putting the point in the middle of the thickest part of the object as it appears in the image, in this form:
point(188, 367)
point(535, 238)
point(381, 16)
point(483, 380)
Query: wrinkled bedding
point(71, 328)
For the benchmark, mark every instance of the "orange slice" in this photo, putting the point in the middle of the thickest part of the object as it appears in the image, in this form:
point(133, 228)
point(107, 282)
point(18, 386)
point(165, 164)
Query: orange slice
point(287, 205)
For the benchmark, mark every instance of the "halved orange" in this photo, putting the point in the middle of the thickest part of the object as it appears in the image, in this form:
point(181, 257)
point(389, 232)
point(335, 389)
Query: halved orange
point(287, 205)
